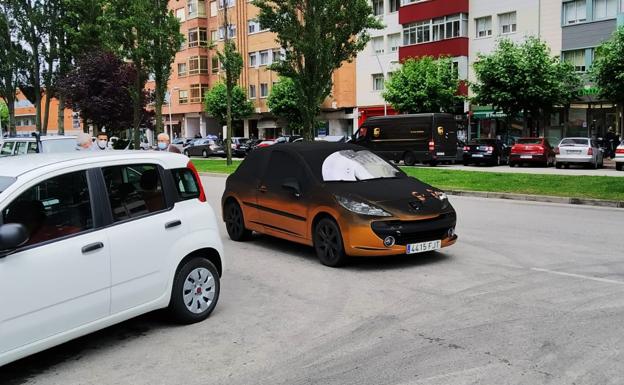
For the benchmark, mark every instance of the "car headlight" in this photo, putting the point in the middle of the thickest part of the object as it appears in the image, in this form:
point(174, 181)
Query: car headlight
point(362, 208)
point(442, 196)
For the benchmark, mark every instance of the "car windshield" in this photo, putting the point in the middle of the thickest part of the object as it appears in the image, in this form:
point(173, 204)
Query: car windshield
point(352, 166)
point(574, 142)
point(530, 141)
point(5, 182)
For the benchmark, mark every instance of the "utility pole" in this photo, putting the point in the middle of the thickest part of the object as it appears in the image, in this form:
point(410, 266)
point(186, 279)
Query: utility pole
point(228, 83)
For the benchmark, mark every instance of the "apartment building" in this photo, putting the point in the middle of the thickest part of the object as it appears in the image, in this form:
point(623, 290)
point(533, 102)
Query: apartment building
point(196, 69)
point(376, 63)
point(25, 117)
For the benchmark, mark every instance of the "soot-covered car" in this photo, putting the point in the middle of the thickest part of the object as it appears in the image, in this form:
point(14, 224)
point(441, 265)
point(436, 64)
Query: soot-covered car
point(339, 198)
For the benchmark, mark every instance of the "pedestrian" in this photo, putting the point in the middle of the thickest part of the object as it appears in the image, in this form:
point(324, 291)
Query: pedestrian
point(612, 142)
point(101, 142)
point(83, 142)
point(164, 144)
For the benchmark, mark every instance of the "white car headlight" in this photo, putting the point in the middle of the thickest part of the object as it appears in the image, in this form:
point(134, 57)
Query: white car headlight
point(362, 208)
point(442, 196)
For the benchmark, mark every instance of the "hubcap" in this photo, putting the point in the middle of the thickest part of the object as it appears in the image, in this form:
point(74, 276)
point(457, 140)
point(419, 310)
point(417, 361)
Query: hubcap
point(199, 290)
point(328, 242)
point(234, 220)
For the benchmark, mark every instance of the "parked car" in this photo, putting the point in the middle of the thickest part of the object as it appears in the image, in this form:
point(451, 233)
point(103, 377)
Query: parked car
point(583, 151)
point(331, 138)
point(239, 146)
point(30, 145)
point(426, 138)
point(619, 157)
point(532, 151)
point(182, 143)
point(264, 143)
point(102, 237)
point(205, 148)
point(339, 198)
point(485, 151)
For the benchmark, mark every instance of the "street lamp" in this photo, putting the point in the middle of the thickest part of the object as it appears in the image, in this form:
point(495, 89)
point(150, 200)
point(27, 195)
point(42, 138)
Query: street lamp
point(170, 120)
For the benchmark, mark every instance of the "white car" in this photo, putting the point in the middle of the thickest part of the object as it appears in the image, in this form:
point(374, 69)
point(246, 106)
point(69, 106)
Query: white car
point(88, 240)
point(619, 157)
point(583, 151)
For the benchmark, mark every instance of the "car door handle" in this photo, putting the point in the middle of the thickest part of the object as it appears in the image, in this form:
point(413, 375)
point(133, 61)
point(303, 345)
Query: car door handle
point(92, 247)
point(262, 189)
point(172, 224)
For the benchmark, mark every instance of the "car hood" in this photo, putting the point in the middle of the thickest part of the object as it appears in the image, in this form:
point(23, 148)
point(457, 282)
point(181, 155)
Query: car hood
point(402, 196)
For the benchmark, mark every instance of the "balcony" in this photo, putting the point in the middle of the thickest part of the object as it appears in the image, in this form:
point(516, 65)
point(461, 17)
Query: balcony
point(424, 10)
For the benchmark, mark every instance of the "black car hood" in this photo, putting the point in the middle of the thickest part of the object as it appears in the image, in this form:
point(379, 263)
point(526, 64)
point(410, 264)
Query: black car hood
point(397, 196)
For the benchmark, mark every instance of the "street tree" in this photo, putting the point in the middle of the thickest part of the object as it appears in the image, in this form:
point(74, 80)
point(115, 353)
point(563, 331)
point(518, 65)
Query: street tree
point(523, 78)
point(317, 37)
point(283, 103)
point(12, 66)
point(216, 106)
point(423, 85)
point(4, 118)
point(608, 68)
point(97, 88)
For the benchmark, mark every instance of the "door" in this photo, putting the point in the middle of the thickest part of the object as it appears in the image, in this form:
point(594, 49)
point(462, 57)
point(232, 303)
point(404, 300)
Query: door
point(143, 231)
point(60, 279)
point(279, 209)
point(444, 136)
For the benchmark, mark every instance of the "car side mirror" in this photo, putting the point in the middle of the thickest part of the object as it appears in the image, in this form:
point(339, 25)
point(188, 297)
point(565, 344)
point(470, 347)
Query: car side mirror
point(292, 185)
point(12, 236)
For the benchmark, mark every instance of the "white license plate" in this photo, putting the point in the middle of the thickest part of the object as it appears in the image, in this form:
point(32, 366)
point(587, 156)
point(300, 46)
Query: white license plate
point(439, 153)
point(422, 247)
point(574, 151)
point(477, 155)
point(526, 156)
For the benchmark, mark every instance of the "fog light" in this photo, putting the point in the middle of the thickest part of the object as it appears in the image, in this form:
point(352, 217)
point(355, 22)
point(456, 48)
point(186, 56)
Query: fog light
point(451, 232)
point(389, 241)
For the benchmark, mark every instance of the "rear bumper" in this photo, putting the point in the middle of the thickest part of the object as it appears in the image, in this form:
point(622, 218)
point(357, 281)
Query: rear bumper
point(574, 159)
point(528, 158)
point(480, 158)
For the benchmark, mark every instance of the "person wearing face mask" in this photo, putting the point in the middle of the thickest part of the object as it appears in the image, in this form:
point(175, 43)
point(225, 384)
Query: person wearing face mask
point(101, 142)
point(164, 144)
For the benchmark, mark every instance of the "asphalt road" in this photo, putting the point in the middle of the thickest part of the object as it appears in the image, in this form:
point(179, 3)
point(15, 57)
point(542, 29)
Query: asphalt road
point(531, 294)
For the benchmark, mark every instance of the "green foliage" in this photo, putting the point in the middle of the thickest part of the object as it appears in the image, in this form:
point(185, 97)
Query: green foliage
point(608, 68)
point(4, 114)
point(216, 106)
point(423, 85)
point(317, 36)
point(283, 103)
point(524, 77)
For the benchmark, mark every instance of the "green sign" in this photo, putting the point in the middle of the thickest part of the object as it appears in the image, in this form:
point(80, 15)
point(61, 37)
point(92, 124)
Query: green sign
point(590, 91)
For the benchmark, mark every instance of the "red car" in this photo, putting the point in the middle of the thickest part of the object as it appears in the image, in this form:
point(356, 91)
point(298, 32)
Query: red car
point(532, 151)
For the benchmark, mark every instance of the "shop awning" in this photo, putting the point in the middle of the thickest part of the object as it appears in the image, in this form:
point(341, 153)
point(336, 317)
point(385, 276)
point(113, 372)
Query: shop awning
point(488, 114)
point(172, 122)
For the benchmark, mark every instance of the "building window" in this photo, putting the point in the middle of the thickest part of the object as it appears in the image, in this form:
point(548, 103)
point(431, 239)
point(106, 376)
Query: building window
point(394, 5)
point(253, 59)
point(507, 23)
point(197, 92)
point(196, 8)
point(377, 44)
point(213, 9)
point(75, 120)
point(405, 2)
point(230, 3)
point(276, 55)
point(575, 12)
point(417, 33)
point(378, 82)
point(378, 7)
point(180, 14)
point(198, 65)
point(213, 35)
point(264, 90)
point(231, 32)
point(181, 69)
point(252, 26)
point(576, 58)
point(394, 41)
point(197, 37)
point(264, 58)
point(183, 97)
point(605, 9)
point(252, 91)
point(484, 26)
point(214, 64)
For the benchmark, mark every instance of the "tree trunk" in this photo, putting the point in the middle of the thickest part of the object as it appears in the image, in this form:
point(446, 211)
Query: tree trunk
point(228, 139)
point(137, 108)
point(11, 106)
point(46, 114)
point(158, 106)
point(61, 115)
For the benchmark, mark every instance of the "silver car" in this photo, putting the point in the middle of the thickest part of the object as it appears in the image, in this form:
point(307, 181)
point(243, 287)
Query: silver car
point(582, 151)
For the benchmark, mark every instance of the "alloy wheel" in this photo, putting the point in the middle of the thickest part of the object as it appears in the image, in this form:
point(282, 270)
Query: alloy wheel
point(328, 243)
point(199, 290)
point(234, 220)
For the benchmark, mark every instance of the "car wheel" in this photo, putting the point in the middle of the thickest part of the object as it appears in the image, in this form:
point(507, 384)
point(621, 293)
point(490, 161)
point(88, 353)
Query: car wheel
point(512, 164)
point(195, 291)
point(619, 166)
point(204, 154)
point(466, 163)
point(409, 158)
point(557, 165)
point(498, 161)
point(328, 243)
point(235, 223)
point(186, 152)
point(433, 163)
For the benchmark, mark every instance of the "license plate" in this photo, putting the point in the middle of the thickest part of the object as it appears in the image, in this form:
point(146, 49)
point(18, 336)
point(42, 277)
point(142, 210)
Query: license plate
point(526, 156)
point(422, 247)
point(439, 153)
point(477, 155)
point(574, 151)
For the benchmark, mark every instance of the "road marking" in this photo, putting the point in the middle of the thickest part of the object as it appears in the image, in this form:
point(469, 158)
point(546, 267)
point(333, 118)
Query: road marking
point(605, 280)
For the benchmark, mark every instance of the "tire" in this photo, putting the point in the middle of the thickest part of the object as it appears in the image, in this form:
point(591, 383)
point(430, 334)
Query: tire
point(619, 166)
point(186, 153)
point(195, 291)
point(466, 163)
point(433, 163)
point(409, 158)
point(512, 164)
point(204, 154)
point(235, 222)
point(558, 165)
point(328, 243)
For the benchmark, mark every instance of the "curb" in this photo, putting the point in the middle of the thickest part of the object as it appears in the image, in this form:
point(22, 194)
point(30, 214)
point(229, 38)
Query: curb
point(509, 196)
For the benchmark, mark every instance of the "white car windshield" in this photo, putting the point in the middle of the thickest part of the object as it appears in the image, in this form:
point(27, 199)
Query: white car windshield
point(351, 166)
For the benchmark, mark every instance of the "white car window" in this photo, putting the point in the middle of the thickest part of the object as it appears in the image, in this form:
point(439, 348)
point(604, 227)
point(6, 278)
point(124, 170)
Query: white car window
point(349, 165)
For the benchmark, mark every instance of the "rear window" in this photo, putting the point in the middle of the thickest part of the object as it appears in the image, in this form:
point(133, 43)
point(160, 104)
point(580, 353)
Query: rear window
point(185, 183)
point(59, 145)
point(529, 141)
point(5, 182)
point(574, 142)
point(484, 141)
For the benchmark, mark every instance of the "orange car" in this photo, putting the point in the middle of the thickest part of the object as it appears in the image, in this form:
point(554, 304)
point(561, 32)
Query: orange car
point(340, 198)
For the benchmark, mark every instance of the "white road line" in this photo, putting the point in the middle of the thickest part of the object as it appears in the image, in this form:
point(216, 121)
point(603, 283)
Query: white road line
point(605, 280)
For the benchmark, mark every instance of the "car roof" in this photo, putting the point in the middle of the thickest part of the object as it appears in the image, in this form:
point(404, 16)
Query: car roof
point(43, 138)
point(14, 166)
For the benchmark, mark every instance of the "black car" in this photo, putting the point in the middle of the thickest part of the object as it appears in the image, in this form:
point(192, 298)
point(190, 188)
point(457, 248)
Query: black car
point(240, 146)
point(492, 152)
point(205, 148)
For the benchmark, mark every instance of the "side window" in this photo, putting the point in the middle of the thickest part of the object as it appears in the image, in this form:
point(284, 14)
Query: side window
point(52, 209)
point(185, 183)
point(32, 147)
point(134, 190)
point(7, 148)
point(20, 148)
point(283, 166)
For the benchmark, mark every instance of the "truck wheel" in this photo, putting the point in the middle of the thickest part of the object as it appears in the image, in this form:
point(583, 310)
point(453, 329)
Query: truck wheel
point(409, 158)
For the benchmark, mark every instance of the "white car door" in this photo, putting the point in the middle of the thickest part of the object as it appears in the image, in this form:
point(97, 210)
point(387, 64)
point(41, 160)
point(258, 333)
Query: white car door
point(60, 279)
point(142, 234)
